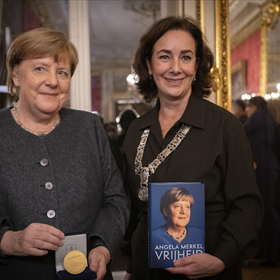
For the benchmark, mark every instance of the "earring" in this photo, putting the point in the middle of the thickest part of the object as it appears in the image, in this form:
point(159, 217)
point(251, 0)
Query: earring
point(151, 76)
point(194, 79)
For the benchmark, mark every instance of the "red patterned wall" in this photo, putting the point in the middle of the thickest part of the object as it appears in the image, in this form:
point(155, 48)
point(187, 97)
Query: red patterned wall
point(249, 50)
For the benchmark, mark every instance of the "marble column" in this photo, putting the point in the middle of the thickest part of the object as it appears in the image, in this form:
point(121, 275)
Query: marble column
point(80, 94)
point(107, 107)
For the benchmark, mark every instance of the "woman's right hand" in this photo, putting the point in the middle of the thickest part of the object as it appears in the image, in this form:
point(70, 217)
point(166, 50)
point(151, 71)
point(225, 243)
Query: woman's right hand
point(127, 276)
point(34, 240)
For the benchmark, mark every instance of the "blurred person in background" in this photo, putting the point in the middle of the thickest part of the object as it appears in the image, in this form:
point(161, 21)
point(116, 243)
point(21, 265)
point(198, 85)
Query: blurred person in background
point(274, 110)
point(238, 109)
point(260, 130)
point(125, 120)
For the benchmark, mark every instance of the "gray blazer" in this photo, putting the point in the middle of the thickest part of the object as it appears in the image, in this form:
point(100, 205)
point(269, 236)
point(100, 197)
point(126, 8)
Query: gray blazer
point(67, 179)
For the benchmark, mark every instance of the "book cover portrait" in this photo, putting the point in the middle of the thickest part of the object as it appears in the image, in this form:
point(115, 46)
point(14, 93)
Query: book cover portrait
point(176, 222)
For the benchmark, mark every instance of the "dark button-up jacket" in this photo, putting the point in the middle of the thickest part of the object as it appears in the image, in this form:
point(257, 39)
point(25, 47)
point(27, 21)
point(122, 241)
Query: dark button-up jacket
point(67, 179)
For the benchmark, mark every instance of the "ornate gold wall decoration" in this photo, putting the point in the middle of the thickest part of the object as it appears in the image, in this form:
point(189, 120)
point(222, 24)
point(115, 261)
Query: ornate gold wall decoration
point(200, 13)
point(270, 13)
point(269, 17)
point(216, 75)
point(263, 61)
point(264, 21)
point(222, 68)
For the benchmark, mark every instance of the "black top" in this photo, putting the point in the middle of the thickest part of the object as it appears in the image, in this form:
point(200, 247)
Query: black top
point(243, 119)
point(260, 130)
point(215, 152)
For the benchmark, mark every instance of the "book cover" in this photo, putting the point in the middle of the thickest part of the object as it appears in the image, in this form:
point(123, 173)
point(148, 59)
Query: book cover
point(176, 222)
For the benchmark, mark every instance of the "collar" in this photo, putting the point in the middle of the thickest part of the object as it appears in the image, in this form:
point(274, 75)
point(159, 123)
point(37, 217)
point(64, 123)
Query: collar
point(194, 114)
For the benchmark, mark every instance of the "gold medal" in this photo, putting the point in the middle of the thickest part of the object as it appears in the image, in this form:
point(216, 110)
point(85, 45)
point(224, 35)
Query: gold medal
point(75, 262)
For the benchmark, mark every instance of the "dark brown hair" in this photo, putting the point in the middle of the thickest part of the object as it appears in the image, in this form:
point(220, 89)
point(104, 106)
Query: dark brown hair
point(204, 56)
point(259, 102)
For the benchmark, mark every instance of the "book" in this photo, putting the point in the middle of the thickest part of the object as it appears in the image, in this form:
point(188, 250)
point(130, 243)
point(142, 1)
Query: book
point(176, 217)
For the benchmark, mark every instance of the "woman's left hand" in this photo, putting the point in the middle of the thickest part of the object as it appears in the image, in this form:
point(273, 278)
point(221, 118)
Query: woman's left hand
point(197, 266)
point(98, 259)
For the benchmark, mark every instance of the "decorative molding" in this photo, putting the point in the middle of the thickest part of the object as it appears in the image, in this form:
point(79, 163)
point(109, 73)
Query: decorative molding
point(248, 30)
point(200, 13)
point(266, 20)
point(221, 70)
point(270, 14)
point(269, 18)
point(216, 75)
point(263, 61)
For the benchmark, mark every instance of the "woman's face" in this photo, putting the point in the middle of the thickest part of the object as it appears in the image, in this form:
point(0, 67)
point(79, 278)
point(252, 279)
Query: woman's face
point(43, 83)
point(250, 110)
point(173, 64)
point(179, 213)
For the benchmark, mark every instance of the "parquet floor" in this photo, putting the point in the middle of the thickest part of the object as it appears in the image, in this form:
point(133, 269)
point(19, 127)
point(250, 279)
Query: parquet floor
point(254, 271)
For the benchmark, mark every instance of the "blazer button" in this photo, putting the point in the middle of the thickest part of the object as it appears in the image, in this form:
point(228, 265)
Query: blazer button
point(44, 162)
point(51, 214)
point(48, 186)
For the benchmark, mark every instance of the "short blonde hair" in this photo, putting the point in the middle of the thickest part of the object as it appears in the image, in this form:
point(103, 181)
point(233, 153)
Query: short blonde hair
point(39, 43)
point(173, 195)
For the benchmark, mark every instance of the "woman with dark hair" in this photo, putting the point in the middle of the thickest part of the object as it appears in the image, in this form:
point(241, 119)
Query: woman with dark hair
point(274, 109)
point(202, 76)
point(273, 106)
point(238, 109)
point(260, 129)
point(186, 138)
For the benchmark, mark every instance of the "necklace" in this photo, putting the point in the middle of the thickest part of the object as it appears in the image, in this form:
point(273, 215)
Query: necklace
point(174, 237)
point(145, 172)
point(38, 133)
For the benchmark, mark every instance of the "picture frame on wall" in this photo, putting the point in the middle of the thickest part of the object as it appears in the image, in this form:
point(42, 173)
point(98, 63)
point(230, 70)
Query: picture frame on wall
point(238, 79)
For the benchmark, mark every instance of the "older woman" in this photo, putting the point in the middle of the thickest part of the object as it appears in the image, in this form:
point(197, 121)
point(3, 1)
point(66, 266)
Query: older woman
point(186, 138)
point(175, 206)
point(57, 174)
point(172, 203)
